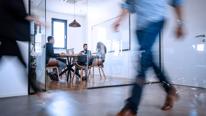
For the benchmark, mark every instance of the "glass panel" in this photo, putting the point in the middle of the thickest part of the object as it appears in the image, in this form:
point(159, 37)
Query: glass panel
point(122, 58)
point(185, 60)
point(38, 41)
point(118, 62)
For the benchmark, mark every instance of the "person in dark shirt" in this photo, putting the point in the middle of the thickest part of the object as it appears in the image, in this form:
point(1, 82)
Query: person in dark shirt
point(51, 57)
point(85, 53)
point(15, 27)
point(85, 58)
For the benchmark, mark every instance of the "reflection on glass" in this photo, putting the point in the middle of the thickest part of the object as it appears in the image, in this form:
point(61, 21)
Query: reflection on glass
point(117, 47)
point(199, 47)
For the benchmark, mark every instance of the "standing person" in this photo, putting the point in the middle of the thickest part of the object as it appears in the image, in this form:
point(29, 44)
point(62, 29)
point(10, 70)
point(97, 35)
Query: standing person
point(151, 18)
point(15, 26)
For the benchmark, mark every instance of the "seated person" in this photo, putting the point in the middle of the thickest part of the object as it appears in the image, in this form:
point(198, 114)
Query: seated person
point(51, 57)
point(101, 51)
point(84, 56)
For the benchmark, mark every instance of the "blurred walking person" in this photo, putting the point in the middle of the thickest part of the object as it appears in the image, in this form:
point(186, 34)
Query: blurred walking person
point(15, 26)
point(150, 21)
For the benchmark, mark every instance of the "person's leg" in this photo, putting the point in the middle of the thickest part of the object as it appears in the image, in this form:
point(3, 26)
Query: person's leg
point(33, 82)
point(11, 48)
point(61, 65)
point(146, 39)
point(168, 87)
point(162, 78)
point(62, 60)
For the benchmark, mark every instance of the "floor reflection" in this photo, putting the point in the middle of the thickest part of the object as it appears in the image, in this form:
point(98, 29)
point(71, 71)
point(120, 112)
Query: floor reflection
point(104, 102)
point(59, 104)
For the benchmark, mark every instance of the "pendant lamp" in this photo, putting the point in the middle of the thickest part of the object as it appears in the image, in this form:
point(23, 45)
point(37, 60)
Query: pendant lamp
point(74, 23)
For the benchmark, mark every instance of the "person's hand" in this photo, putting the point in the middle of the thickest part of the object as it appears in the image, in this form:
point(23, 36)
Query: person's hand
point(62, 54)
point(35, 19)
point(80, 53)
point(37, 22)
point(116, 25)
point(179, 32)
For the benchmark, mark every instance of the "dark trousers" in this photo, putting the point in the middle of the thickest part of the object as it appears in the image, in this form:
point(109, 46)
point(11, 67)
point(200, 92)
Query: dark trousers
point(146, 39)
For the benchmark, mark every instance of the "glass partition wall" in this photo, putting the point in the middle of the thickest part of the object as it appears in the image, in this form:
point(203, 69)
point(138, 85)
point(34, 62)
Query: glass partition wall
point(38, 40)
point(117, 50)
point(118, 65)
point(121, 59)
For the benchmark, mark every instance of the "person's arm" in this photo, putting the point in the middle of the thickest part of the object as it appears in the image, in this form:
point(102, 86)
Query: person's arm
point(127, 7)
point(122, 15)
point(89, 53)
point(35, 19)
point(177, 4)
point(17, 8)
point(81, 52)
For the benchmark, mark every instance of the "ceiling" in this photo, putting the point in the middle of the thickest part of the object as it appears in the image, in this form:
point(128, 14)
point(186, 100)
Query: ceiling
point(62, 6)
point(67, 6)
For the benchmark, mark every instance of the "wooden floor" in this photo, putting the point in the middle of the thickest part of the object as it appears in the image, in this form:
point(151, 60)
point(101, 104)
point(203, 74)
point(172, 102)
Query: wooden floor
point(104, 102)
point(91, 83)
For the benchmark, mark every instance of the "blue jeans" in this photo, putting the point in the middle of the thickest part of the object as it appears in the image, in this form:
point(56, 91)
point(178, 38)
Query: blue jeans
point(62, 64)
point(146, 39)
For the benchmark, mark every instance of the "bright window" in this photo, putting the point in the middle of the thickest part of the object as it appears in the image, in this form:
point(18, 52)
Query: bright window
point(59, 32)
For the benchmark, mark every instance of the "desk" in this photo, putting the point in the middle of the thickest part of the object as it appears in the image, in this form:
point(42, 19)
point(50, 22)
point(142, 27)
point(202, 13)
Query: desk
point(70, 63)
point(71, 59)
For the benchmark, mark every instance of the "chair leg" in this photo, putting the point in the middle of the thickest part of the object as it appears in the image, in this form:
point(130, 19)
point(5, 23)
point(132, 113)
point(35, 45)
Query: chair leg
point(103, 73)
point(81, 75)
point(92, 72)
point(57, 72)
point(72, 79)
point(100, 73)
point(89, 74)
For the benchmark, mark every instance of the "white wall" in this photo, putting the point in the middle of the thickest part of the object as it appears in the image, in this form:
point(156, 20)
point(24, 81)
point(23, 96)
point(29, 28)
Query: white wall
point(13, 79)
point(184, 64)
point(76, 37)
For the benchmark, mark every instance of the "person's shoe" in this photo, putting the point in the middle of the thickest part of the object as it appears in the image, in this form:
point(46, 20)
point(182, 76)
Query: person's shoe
point(53, 76)
point(84, 78)
point(172, 96)
point(126, 112)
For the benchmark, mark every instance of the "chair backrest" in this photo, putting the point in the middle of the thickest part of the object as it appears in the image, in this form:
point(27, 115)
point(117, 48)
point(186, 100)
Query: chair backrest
point(82, 59)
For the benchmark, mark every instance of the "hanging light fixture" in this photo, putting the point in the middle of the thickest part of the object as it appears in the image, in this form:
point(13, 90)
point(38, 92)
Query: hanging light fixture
point(74, 23)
